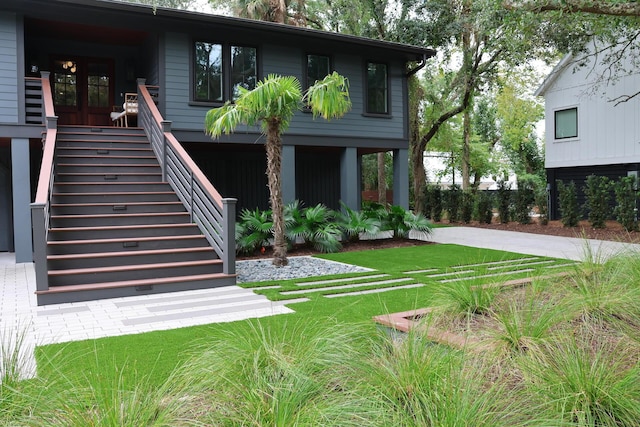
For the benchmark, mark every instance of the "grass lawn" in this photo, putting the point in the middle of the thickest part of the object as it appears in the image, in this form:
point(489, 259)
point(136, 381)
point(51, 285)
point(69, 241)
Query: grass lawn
point(155, 355)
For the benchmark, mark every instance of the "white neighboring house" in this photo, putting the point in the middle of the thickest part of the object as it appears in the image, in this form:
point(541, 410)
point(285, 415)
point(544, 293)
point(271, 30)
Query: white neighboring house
point(586, 133)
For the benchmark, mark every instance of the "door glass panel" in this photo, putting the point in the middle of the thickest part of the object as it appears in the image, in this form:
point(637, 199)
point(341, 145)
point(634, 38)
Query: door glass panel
point(98, 85)
point(65, 83)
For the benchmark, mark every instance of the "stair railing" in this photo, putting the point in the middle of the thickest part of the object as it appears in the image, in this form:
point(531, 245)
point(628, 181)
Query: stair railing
point(214, 214)
point(40, 206)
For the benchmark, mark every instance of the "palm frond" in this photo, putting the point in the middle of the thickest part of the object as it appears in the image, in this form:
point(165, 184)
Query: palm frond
point(329, 97)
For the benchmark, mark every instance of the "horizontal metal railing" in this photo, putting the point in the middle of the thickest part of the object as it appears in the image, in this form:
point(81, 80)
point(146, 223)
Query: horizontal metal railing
point(40, 206)
point(213, 214)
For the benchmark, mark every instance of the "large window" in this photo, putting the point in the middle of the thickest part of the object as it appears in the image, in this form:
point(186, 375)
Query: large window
point(377, 94)
point(318, 67)
point(65, 82)
point(566, 123)
point(220, 69)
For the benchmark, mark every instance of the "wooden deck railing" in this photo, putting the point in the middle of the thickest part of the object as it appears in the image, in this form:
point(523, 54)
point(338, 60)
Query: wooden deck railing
point(33, 101)
point(213, 214)
point(40, 207)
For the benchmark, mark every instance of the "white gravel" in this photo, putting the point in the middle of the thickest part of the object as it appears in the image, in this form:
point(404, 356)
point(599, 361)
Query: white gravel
point(263, 270)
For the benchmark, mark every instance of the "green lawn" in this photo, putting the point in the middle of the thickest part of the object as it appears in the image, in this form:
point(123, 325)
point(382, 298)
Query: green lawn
point(156, 354)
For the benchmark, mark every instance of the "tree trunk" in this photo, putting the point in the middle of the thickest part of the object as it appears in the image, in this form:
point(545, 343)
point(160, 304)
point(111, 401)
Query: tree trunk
point(466, 150)
point(274, 161)
point(278, 11)
point(382, 179)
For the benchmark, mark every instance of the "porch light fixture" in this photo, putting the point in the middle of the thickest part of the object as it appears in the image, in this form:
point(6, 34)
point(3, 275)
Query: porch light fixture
point(69, 65)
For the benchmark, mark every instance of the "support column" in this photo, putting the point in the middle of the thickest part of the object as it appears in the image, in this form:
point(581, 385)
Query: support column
point(288, 173)
point(350, 178)
point(21, 187)
point(401, 178)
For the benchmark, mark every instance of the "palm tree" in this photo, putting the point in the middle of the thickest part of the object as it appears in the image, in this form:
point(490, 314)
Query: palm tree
point(273, 103)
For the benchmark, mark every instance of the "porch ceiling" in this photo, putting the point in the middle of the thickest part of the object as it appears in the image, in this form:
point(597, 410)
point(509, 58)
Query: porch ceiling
point(89, 33)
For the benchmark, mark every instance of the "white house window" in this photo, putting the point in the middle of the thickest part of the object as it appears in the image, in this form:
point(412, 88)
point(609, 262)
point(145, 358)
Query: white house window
point(566, 123)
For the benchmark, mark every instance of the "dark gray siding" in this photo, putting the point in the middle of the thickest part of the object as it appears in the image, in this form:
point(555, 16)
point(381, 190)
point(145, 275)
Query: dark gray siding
point(8, 68)
point(286, 60)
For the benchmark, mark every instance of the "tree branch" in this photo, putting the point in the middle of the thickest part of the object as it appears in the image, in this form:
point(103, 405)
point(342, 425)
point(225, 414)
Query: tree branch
point(576, 6)
point(623, 98)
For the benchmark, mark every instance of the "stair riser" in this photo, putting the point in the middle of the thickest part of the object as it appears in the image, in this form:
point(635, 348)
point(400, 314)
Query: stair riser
point(148, 159)
point(113, 198)
point(131, 259)
point(57, 298)
point(134, 232)
point(108, 177)
point(116, 208)
point(109, 187)
point(77, 279)
point(71, 248)
point(103, 151)
point(141, 143)
point(120, 220)
point(107, 168)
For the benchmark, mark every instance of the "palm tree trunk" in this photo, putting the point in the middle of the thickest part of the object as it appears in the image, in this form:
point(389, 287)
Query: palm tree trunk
point(274, 161)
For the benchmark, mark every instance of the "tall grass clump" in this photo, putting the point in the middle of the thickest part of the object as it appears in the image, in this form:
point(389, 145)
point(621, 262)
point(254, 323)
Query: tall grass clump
point(527, 324)
point(417, 383)
point(294, 374)
point(112, 397)
point(464, 298)
point(596, 385)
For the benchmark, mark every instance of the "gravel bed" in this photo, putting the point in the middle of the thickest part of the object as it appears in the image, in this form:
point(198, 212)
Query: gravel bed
point(263, 270)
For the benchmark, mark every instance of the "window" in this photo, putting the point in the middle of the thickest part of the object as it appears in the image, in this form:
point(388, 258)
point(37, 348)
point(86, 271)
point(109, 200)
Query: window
point(98, 85)
point(220, 69)
point(377, 94)
point(318, 67)
point(566, 123)
point(65, 84)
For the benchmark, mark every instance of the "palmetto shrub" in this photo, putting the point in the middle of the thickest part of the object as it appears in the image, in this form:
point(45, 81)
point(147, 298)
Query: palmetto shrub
point(315, 225)
point(398, 220)
point(254, 230)
point(352, 223)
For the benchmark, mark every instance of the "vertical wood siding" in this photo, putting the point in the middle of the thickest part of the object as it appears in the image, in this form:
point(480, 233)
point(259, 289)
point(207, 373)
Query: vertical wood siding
point(8, 69)
point(607, 134)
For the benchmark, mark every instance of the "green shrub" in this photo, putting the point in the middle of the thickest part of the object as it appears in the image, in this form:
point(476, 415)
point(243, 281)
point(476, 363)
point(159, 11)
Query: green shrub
point(568, 204)
point(434, 202)
point(352, 223)
point(542, 202)
point(315, 225)
point(466, 206)
point(504, 201)
point(253, 230)
point(626, 202)
point(453, 201)
point(598, 193)
point(484, 207)
point(524, 198)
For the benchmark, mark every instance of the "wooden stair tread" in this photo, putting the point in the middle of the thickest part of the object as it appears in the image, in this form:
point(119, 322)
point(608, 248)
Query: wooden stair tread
point(88, 147)
point(122, 227)
point(116, 193)
point(130, 283)
point(130, 253)
point(135, 267)
point(108, 173)
point(78, 205)
point(122, 215)
point(115, 165)
point(123, 240)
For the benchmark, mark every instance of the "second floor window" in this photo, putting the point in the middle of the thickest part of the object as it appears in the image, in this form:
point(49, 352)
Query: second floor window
point(220, 69)
point(566, 123)
point(377, 92)
point(318, 67)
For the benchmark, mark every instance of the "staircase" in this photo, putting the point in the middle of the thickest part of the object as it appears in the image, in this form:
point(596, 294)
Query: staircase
point(115, 228)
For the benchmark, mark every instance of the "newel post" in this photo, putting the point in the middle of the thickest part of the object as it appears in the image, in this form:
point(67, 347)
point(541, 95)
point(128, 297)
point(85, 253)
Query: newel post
point(229, 235)
point(166, 127)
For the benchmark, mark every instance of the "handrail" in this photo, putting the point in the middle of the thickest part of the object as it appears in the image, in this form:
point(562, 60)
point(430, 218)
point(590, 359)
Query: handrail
point(214, 215)
point(40, 207)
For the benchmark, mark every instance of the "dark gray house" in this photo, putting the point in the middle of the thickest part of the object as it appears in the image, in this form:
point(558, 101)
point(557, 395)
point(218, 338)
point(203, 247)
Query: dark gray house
point(81, 192)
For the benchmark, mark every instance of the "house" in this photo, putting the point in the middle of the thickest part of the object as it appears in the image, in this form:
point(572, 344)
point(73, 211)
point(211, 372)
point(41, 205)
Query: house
point(66, 67)
point(587, 131)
